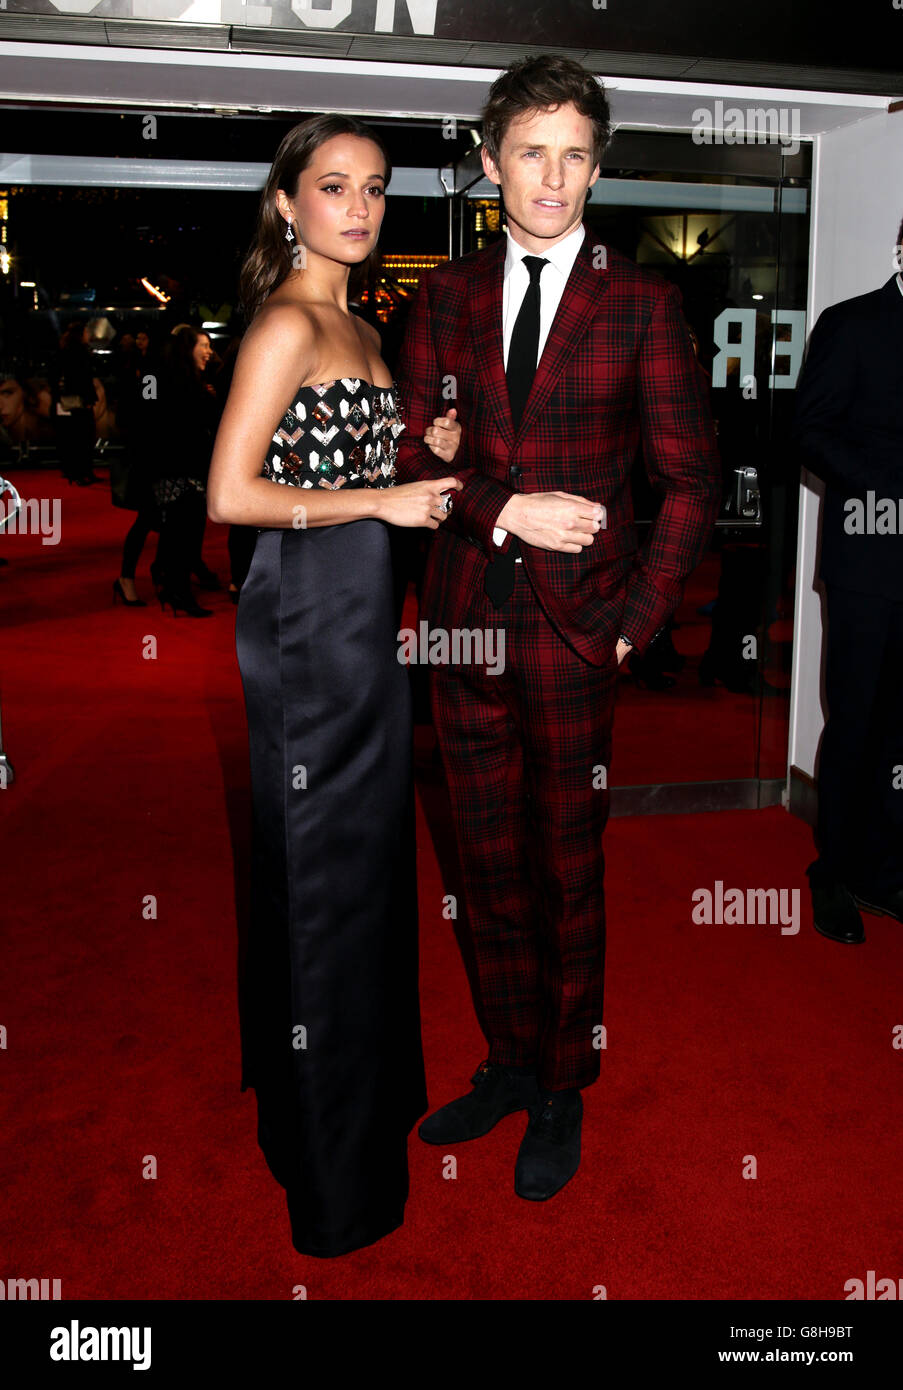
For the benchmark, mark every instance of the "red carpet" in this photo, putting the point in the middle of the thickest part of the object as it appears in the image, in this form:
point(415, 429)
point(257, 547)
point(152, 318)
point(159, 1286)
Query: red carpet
point(122, 1034)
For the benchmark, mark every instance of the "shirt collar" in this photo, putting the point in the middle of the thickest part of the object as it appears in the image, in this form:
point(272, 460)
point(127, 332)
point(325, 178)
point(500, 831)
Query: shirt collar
point(562, 255)
point(900, 282)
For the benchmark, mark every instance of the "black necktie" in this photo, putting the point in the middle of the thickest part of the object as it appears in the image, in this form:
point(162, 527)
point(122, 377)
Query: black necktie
point(519, 373)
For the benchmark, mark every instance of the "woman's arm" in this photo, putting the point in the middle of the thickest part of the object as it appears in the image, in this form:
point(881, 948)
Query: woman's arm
point(277, 354)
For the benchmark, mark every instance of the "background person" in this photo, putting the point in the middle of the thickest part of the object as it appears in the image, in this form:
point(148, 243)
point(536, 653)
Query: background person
point(848, 429)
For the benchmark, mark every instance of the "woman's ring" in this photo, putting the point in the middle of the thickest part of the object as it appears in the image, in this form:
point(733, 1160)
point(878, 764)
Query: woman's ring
point(447, 503)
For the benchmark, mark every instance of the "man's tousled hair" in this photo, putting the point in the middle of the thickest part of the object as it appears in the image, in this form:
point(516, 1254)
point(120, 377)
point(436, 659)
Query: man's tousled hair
point(538, 84)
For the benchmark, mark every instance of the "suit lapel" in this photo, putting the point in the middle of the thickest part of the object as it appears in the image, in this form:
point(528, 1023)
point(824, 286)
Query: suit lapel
point(485, 293)
point(583, 295)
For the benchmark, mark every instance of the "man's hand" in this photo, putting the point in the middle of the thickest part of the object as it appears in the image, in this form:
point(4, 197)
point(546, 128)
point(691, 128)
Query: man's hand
point(443, 436)
point(553, 520)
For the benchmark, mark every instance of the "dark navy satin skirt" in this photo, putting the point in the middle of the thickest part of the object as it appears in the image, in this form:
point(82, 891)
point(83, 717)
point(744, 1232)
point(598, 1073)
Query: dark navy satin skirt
point(330, 1012)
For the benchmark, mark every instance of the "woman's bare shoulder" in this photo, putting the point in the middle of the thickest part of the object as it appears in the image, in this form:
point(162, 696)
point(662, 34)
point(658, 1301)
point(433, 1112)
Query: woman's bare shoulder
point(282, 322)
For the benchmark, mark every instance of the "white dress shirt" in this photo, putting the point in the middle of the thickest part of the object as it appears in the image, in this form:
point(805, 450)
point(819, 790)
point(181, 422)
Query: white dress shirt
point(554, 277)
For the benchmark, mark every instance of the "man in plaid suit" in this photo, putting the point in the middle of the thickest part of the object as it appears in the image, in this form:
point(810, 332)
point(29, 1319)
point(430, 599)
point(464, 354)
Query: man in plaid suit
point(561, 357)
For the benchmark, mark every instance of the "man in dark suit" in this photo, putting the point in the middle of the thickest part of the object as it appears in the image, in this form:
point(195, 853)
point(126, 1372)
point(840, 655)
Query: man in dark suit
point(561, 356)
point(849, 431)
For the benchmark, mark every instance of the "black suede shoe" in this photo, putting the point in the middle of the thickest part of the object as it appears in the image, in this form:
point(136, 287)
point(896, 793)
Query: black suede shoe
point(549, 1154)
point(889, 906)
point(834, 910)
point(497, 1092)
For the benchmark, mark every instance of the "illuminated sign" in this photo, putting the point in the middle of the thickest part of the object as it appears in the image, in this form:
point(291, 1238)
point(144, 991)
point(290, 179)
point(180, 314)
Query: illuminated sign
point(771, 31)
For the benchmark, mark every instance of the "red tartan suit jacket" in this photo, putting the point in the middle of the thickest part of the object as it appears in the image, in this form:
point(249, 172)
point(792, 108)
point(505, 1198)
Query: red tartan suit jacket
point(618, 371)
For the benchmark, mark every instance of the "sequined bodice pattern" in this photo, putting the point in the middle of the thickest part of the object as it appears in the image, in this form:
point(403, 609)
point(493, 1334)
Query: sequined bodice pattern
point(336, 434)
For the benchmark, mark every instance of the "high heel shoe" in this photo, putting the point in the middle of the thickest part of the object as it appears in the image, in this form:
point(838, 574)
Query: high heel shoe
point(183, 604)
point(207, 579)
point(119, 593)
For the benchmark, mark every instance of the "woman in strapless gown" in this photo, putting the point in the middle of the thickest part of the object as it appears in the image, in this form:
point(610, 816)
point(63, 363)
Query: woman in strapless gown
point(332, 951)
point(329, 982)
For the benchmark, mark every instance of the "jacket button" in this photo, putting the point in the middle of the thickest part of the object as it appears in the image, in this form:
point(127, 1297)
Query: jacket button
point(514, 472)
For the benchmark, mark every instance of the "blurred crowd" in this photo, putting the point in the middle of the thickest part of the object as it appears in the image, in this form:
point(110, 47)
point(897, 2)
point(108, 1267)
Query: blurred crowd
point(147, 403)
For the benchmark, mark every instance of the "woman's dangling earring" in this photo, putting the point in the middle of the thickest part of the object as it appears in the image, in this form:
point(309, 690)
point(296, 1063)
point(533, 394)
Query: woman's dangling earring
point(299, 254)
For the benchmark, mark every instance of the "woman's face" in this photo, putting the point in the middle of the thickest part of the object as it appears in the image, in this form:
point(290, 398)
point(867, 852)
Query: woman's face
point(12, 404)
point(202, 351)
point(340, 201)
point(142, 342)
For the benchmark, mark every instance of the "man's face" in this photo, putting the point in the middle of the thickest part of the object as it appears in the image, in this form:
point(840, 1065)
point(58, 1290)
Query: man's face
point(544, 170)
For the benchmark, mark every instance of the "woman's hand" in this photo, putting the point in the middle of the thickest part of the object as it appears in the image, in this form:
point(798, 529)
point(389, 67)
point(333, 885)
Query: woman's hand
point(415, 504)
point(444, 436)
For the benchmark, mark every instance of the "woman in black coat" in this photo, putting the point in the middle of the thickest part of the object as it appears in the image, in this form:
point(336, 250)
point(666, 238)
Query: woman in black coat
point(138, 375)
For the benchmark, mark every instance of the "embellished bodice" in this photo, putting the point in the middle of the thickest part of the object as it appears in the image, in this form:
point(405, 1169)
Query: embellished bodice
point(340, 433)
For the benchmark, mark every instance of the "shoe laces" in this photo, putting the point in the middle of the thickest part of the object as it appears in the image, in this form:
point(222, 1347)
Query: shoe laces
point(553, 1122)
point(484, 1072)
